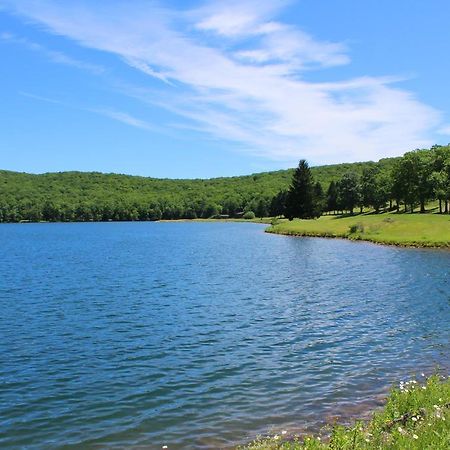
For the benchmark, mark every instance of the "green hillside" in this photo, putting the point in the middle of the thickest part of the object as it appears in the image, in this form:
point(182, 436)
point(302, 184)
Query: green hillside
point(96, 196)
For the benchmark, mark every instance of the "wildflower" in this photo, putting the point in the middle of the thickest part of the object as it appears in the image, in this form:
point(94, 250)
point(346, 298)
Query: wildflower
point(318, 438)
point(164, 446)
point(424, 388)
point(415, 436)
point(440, 399)
point(400, 429)
point(367, 440)
point(284, 432)
point(414, 419)
point(276, 437)
point(422, 374)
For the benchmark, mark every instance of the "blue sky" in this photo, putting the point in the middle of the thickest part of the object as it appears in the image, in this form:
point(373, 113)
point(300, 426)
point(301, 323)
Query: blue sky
point(216, 88)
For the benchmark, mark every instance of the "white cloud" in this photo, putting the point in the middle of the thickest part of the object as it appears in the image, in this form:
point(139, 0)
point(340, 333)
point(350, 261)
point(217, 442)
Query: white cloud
point(54, 56)
point(123, 117)
point(119, 116)
point(235, 72)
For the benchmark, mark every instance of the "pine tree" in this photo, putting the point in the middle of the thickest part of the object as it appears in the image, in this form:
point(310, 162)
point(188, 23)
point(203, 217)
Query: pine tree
point(300, 198)
point(319, 197)
point(332, 197)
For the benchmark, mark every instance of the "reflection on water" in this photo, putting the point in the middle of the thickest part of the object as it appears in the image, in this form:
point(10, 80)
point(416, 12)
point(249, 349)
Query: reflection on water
point(201, 335)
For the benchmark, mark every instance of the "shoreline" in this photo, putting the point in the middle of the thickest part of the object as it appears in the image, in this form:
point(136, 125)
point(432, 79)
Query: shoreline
point(413, 415)
point(333, 229)
point(393, 229)
point(411, 245)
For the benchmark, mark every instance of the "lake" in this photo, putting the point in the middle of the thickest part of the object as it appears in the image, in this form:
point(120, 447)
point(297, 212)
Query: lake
point(203, 335)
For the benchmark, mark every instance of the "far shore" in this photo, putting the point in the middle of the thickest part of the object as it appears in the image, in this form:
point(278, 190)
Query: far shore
point(416, 230)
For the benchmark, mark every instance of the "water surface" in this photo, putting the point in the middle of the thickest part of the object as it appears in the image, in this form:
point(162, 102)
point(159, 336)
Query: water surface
point(201, 335)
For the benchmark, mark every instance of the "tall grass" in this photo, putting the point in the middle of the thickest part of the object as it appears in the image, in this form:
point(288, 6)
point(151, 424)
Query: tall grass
point(416, 416)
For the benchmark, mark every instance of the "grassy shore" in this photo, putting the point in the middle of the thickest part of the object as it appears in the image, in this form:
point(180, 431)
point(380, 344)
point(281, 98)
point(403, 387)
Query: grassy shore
point(416, 416)
point(418, 230)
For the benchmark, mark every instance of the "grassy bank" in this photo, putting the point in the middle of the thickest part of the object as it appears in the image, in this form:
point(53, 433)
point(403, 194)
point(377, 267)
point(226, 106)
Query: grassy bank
point(416, 416)
point(420, 230)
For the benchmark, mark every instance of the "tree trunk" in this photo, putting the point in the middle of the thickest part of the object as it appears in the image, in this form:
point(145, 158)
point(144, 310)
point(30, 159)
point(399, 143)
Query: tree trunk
point(390, 204)
point(440, 206)
point(412, 209)
point(446, 206)
point(422, 206)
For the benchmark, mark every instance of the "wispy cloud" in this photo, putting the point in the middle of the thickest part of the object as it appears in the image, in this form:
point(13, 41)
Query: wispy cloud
point(125, 118)
point(234, 71)
point(113, 114)
point(52, 55)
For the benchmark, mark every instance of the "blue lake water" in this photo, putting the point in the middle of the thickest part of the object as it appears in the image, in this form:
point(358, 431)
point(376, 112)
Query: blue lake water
point(202, 335)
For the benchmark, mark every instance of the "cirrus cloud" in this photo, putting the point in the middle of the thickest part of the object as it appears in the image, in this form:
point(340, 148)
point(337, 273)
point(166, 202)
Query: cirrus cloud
point(235, 72)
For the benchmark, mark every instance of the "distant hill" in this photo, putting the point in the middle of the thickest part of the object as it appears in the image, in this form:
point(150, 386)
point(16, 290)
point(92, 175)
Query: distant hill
point(97, 196)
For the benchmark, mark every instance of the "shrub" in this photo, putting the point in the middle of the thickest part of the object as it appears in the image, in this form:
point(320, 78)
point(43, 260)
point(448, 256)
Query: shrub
point(249, 215)
point(356, 228)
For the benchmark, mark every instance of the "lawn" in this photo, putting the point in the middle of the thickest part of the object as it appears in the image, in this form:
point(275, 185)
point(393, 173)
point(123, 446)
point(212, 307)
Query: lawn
point(422, 230)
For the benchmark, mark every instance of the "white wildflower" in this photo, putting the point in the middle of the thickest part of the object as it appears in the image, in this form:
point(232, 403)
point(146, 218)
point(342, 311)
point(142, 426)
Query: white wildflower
point(276, 437)
point(415, 436)
point(414, 419)
point(284, 432)
point(424, 388)
point(164, 446)
point(400, 429)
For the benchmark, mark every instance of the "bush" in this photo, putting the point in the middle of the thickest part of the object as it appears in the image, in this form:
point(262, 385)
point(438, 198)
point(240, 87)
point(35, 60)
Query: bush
point(249, 215)
point(356, 228)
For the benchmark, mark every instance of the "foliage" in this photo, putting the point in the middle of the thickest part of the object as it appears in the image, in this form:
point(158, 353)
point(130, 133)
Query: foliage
point(416, 416)
point(412, 180)
point(249, 215)
point(301, 200)
point(93, 196)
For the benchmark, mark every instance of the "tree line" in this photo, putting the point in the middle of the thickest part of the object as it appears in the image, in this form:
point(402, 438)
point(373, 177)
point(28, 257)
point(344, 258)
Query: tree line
point(90, 196)
point(415, 179)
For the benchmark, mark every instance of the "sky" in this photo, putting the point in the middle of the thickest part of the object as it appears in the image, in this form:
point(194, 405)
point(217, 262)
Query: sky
point(200, 89)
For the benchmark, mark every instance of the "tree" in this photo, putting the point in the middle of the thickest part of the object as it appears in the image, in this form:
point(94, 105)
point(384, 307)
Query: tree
point(332, 197)
point(412, 175)
point(261, 209)
point(319, 197)
point(300, 198)
point(349, 191)
point(278, 204)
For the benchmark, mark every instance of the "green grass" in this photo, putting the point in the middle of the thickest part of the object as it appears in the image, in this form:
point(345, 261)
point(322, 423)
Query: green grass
point(416, 416)
point(420, 230)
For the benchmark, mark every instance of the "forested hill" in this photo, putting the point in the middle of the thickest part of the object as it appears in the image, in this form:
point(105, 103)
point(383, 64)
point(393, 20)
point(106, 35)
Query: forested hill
point(85, 196)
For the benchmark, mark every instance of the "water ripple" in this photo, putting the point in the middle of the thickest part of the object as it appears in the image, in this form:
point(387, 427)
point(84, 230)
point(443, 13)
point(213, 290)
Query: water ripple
point(138, 335)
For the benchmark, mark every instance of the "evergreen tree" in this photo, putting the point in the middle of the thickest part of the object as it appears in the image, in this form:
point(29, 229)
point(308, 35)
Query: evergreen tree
point(332, 197)
point(278, 204)
point(319, 197)
point(300, 198)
